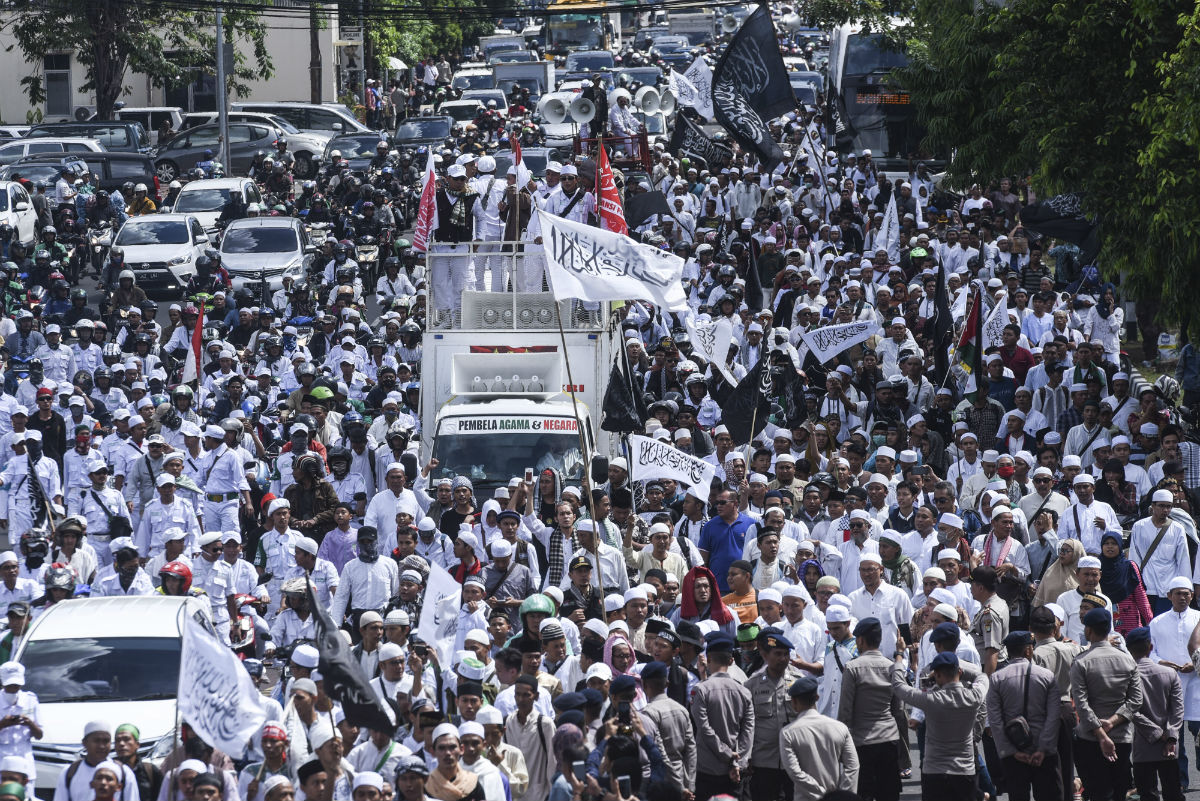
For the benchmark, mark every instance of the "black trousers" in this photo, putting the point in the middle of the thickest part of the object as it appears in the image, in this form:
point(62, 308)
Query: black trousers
point(1044, 780)
point(1103, 780)
point(879, 772)
point(1066, 756)
point(947, 786)
point(770, 784)
point(710, 784)
point(1148, 777)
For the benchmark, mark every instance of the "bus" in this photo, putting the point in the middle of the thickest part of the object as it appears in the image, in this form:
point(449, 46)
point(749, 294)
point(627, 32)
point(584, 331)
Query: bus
point(581, 25)
point(871, 112)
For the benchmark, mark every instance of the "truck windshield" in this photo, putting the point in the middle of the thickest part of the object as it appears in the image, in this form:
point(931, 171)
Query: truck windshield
point(493, 460)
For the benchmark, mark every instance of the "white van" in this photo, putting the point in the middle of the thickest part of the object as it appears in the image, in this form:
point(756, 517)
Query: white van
point(114, 659)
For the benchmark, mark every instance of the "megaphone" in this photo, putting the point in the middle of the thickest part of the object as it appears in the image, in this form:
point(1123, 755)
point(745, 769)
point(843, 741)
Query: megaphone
point(554, 110)
point(729, 24)
point(792, 22)
point(582, 110)
point(647, 99)
point(667, 102)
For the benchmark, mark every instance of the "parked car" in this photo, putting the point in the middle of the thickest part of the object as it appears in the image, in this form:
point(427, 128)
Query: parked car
point(21, 148)
point(16, 210)
point(245, 139)
point(264, 249)
point(115, 135)
point(114, 169)
point(104, 658)
point(13, 131)
point(205, 199)
point(162, 250)
point(151, 117)
point(327, 119)
point(294, 134)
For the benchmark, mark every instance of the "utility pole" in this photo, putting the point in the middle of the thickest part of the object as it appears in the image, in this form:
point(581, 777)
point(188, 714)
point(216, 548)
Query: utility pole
point(362, 26)
point(314, 55)
point(222, 91)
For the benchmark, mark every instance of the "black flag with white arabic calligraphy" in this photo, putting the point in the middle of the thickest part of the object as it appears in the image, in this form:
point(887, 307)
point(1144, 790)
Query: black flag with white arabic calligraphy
point(750, 86)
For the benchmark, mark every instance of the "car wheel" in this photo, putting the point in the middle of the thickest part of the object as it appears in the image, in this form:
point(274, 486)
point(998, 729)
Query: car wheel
point(305, 167)
point(167, 171)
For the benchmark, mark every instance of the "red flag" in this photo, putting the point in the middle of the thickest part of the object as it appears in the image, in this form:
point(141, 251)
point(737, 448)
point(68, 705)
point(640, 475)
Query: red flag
point(191, 367)
point(612, 216)
point(427, 217)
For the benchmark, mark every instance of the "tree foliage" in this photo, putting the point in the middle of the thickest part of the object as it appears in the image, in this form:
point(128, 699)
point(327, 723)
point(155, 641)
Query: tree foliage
point(448, 25)
point(1092, 96)
point(116, 39)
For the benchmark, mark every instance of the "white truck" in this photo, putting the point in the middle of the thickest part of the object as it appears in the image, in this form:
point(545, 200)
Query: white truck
point(524, 72)
point(497, 400)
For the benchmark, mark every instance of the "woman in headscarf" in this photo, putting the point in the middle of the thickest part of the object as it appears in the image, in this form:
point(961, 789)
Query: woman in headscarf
point(1121, 582)
point(699, 600)
point(488, 527)
point(567, 745)
point(1060, 576)
point(810, 571)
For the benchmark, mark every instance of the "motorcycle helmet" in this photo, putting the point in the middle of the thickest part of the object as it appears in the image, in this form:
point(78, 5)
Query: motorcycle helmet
point(177, 570)
point(60, 577)
point(49, 230)
point(116, 256)
point(126, 274)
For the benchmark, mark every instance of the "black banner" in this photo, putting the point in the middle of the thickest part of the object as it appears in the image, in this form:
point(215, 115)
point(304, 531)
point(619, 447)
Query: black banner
point(643, 206)
point(1061, 217)
point(750, 86)
point(623, 406)
point(345, 681)
point(748, 406)
point(688, 139)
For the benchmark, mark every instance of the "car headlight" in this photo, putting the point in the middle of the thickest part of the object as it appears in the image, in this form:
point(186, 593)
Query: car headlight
point(295, 268)
point(178, 260)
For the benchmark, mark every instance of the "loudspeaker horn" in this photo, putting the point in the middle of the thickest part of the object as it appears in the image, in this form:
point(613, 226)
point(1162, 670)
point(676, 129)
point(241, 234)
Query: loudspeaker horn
point(729, 24)
point(667, 102)
point(582, 110)
point(648, 100)
point(554, 111)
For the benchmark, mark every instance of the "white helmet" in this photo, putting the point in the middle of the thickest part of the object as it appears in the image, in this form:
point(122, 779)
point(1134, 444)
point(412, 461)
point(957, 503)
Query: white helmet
point(174, 185)
point(140, 188)
point(126, 274)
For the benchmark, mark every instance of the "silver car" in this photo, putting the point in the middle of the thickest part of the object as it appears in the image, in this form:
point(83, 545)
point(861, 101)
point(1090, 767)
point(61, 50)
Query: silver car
point(259, 251)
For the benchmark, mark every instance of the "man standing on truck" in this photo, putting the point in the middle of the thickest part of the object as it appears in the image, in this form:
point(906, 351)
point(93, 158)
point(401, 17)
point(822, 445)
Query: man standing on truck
point(457, 207)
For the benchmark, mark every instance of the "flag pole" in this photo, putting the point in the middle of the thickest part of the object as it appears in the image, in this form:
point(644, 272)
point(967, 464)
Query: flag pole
point(583, 447)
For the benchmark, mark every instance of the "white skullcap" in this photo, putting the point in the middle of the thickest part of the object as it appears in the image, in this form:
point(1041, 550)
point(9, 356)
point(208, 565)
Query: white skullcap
point(1088, 561)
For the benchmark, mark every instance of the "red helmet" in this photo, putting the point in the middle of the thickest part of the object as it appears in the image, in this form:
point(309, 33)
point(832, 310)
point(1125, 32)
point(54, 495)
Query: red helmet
point(178, 570)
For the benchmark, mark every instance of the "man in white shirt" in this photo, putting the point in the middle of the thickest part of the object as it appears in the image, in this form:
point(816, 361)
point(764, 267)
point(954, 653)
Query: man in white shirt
point(1087, 572)
point(1170, 632)
point(1087, 519)
point(1158, 546)
point(889, 604)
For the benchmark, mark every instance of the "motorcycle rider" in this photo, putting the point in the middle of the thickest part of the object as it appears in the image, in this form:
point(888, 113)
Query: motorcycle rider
point(341, 258)
point(210, 276)
point(25, 342)
point(88, 355)
point(392, 284)
point(282, 156)
point(172, 194)
point(127, 293)
point(141, 203)
point(102, 211)
point(308, 191)
point(382, 157)
point(57, 250)
point(60, 300)
point(279, 181)
point(207, 165)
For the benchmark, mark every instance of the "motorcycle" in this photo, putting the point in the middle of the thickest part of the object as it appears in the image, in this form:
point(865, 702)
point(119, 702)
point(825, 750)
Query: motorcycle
point(100, 239)
point(368, 259)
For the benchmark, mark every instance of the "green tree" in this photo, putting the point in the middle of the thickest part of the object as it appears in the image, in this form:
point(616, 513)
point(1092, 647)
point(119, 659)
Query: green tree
point(1094, 96)
point(114, 39)
point(411, 33)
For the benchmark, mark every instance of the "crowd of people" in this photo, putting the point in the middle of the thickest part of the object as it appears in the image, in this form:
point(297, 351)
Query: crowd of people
point(897, 569)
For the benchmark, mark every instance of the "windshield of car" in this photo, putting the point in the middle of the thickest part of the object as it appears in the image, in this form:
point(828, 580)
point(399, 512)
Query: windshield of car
point(352, 147)
point(462, 112)
point(589, 61)
point(102, 668)
point(152, 232)
point(202, 200)
point(259, 240)
point(424, 129)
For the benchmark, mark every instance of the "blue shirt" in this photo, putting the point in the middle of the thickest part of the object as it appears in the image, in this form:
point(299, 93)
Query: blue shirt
point(724, 543)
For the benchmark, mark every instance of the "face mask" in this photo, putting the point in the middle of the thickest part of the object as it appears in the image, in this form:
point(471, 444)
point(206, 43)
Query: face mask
point(368, 550)
point(1006, 470)
point(878, 439)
